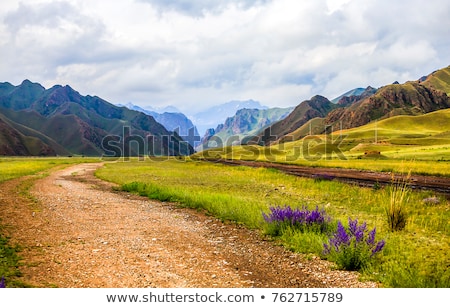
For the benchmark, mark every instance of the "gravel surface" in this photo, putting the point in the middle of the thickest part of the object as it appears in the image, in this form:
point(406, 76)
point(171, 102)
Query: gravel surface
point(79, 232)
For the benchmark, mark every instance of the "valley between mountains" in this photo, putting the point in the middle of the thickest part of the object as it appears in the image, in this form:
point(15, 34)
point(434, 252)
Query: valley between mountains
point(78, 231)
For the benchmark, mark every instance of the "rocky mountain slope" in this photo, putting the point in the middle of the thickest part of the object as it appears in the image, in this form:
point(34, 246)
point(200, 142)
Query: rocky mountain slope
point(13, 142)
point(245, 123)
point(316, 107)
point(359, 107)
point(439, 80)
point(216, 115)
point(411, 98)
point(172, 121)
point(63, 122)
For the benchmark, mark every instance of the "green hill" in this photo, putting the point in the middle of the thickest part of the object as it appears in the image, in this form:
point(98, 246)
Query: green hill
point(398, 133)
point(423, 136)
point(18, 140)
point(439, 80)
point(410, 98)
point(400, 120)
point(312, 127)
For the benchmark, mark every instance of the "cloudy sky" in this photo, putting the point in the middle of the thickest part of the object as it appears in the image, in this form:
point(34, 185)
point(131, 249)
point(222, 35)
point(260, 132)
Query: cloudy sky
point(195, 54)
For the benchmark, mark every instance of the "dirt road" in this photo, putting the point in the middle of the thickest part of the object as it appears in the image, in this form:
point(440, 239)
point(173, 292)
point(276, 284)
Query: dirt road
point(77, 231)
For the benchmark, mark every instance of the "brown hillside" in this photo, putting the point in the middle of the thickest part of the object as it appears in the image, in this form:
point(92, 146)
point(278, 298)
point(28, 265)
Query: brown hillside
point(13, 143)
point(317, 107)
point(411, 98)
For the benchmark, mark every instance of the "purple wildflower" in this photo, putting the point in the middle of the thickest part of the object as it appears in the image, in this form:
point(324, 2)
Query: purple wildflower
point(378, 247)
point(2, 283)
point(353, 247)
point(355, 230)
point(326, 249)
point(341, 237)
point(371, 237)
point(299, 218)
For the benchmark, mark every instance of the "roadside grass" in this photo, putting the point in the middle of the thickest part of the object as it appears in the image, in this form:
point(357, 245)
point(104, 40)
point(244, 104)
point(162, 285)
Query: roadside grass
point(416, 256)
point(15, 167)
point(9, 262)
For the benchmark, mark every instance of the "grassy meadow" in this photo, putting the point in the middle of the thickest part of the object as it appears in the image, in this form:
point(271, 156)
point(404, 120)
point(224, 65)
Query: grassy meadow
point(416, 256)
point(15, 167)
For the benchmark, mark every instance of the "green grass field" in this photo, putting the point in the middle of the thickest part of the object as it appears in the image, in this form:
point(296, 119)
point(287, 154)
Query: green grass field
point(414, 257)
point(14, 167)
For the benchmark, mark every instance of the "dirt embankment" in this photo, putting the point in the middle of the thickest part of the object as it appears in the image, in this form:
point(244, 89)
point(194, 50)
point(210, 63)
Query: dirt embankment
point(359, 177)
point(80, 232)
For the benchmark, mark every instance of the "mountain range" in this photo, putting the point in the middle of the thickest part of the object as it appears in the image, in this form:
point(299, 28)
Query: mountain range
point(172, 120)
point(354, 108)
point(61, 121)
point(213, 116)
point(427, 94)
point(246, 122)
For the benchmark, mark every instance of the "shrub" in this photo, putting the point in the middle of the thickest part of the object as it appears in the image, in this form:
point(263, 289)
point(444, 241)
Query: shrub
point(302, 219)
point(399, 193)
point(352, 249)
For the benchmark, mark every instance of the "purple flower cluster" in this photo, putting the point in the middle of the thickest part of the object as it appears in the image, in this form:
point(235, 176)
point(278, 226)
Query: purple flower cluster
point(296, 217)
point(2, 283)
point(354, 236)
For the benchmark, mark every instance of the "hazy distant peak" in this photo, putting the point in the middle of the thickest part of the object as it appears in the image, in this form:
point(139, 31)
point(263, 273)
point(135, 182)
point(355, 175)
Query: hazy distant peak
point(353, 92)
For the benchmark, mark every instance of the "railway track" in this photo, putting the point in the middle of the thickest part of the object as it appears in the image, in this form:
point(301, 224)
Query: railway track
point(362, 178)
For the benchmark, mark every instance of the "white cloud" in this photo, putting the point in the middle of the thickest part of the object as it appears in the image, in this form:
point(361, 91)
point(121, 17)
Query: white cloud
point(336, 5)
point(192, 54)
point(200, 7)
